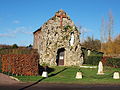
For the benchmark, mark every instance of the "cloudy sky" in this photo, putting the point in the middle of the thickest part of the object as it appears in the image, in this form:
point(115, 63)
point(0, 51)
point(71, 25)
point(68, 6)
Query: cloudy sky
point(20, 18)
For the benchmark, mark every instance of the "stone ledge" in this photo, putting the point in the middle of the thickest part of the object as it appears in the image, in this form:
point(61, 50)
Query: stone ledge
point(88, 66)
point(14, 78)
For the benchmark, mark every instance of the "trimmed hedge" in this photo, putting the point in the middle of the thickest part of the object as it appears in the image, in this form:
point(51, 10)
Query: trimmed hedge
point(113, 62)
point(22, 64)
point(18, 51)
point(93, 60)
point(19, 61)
point(94, 57)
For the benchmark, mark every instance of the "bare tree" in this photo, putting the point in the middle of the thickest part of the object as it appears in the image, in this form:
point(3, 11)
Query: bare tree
point(110, 26)
point(102, 33)
point(91, 43)
point(83, 33)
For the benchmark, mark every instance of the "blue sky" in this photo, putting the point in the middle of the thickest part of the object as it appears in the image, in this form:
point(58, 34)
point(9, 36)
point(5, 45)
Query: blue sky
point(20, 18)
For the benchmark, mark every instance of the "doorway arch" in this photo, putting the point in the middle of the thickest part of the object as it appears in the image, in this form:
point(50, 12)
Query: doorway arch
point(60, 57)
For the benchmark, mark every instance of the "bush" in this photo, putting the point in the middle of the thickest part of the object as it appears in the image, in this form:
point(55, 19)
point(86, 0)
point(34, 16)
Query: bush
point(15, 46)
point(18, 51)
point(22, 64)
point(93, 60)
point(113, 62)
point(21, 61)
point(94, 57)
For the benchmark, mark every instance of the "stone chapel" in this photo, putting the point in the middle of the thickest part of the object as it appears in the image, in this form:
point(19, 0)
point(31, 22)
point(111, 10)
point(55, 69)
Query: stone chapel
point(58, 42)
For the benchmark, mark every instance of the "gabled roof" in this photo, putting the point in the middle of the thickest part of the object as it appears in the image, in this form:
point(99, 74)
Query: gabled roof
point(58, 12)
point(37, 30)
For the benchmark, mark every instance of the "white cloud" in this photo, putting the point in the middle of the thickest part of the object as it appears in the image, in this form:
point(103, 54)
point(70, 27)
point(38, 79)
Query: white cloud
point(23, 30)
point(6, 35)
point(85, 30)
point(16, 21)
point(18, 30)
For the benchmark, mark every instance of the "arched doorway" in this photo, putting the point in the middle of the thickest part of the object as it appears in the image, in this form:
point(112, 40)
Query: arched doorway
point(60, 57)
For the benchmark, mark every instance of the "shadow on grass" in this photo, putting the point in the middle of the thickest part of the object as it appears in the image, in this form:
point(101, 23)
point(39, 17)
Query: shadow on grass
point(42, 79)
point(48, 69)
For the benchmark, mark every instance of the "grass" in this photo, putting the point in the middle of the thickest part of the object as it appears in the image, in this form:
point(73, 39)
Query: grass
point(68, 76)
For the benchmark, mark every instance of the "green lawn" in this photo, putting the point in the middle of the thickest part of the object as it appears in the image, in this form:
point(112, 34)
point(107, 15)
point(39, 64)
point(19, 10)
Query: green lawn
point(62, 75)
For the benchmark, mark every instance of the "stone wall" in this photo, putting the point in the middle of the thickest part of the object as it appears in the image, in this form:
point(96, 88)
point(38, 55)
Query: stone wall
point(53, 36)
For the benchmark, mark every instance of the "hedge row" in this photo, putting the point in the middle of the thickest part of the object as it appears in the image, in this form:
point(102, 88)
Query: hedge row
point(22, 64)
point(108, 61)
point(18, 51)
point(113, 62)
point(94, 57)
point(93, 60)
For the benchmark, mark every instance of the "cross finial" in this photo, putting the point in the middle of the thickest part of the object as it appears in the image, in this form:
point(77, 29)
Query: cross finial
point(62, 15)
point(61, 10)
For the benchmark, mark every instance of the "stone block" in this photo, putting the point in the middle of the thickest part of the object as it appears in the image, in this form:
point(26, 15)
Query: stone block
point(79, 75)
point(44, 74)
point(116, 75)
point(100, 69)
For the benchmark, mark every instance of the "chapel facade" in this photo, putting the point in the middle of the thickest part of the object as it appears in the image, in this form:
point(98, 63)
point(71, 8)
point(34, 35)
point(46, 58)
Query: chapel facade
point(58, 42)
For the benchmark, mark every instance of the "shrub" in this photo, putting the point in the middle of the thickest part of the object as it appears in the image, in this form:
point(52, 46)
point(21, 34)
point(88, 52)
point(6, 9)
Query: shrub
point(93, 60)
point(22, 64)
point(20, 61)
point(15, 46)
point(18, 51)
point(94, 57)
point(113, 62)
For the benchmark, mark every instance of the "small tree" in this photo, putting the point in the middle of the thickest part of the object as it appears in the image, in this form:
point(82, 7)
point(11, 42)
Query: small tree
point(14, 46)
point(30, 46)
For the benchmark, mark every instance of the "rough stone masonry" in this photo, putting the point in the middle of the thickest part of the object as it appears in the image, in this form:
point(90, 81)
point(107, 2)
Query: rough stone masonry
point(58, 42)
